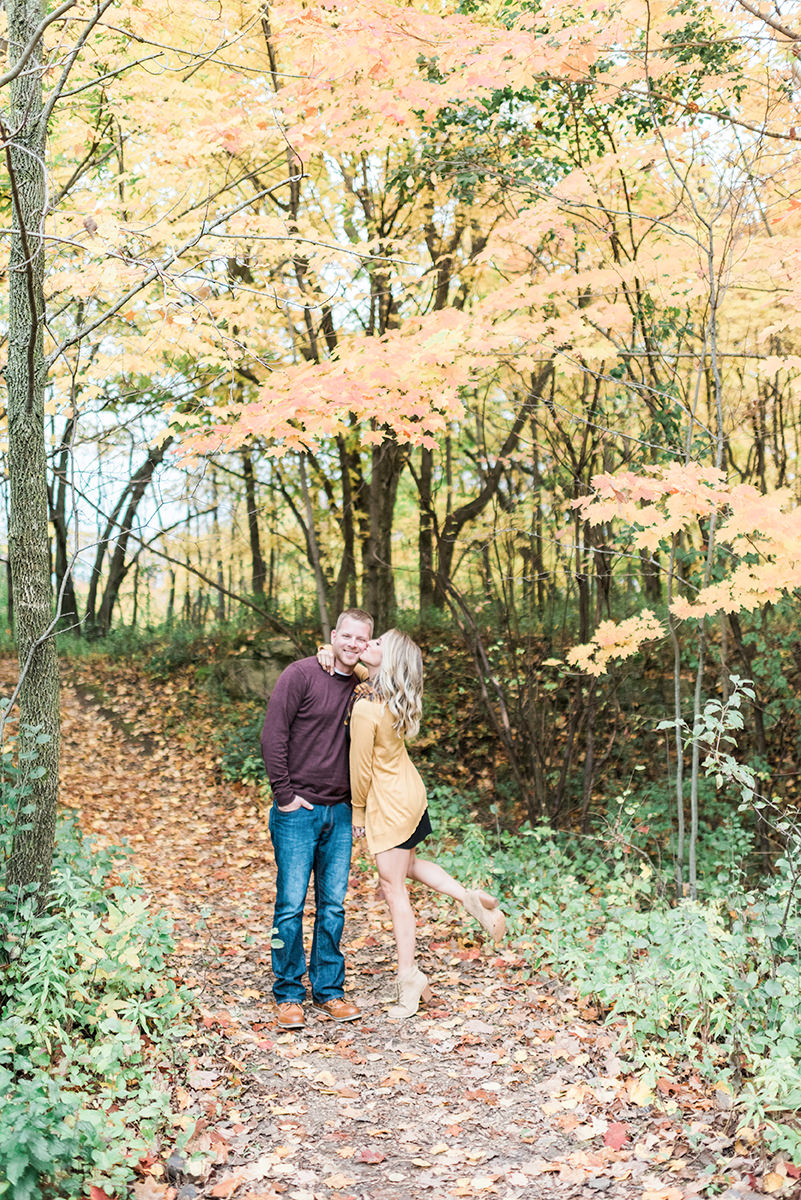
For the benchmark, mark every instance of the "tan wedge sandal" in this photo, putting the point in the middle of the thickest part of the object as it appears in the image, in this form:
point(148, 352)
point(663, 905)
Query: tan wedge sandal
point(412, 988)
point(485, 909)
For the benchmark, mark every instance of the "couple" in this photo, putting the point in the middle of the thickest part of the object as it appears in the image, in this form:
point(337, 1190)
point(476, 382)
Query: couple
point(315, 770)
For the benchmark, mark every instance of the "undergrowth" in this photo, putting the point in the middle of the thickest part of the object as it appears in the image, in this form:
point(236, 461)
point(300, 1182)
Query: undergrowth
point(89, 1016)
point(711, 983)
point(708, 985)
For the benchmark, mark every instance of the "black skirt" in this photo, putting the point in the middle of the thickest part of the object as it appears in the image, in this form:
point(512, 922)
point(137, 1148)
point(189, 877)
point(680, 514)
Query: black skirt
point(422, 831)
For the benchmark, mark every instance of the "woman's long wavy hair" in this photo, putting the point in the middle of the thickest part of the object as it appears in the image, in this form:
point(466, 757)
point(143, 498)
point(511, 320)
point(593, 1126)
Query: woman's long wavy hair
point(399, 682)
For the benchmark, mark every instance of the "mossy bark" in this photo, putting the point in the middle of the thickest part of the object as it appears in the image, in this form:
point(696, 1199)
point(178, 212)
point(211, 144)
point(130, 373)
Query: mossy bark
point(29, 540)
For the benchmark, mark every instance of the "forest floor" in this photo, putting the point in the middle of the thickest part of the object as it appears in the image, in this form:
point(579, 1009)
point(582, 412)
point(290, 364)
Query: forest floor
point(505, 1086)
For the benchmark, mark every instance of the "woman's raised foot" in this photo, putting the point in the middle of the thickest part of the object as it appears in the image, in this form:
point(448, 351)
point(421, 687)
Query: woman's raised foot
point(488, 916)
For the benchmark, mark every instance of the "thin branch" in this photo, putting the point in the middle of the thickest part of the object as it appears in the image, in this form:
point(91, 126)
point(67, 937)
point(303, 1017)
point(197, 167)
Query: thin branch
point(117, 73)
point(292, 237)
point(27, 265)
point(156, 273)
point(36, 37)
point(79, 169)
point(69, 64)
point(769, 20)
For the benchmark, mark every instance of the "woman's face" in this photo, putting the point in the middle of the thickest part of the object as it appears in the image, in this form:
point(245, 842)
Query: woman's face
point(371, 655)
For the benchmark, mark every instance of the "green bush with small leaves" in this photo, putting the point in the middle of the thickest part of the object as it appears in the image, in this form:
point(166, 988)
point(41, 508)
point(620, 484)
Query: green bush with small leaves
point(89, 1015)
point(240, 756)
point(713, 982)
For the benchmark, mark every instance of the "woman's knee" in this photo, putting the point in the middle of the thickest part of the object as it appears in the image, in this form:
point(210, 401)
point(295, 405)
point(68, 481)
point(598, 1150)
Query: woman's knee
point(394, 891)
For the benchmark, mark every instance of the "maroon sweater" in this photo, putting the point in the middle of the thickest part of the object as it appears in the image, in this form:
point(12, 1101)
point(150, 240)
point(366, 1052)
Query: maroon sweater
point(304, 740)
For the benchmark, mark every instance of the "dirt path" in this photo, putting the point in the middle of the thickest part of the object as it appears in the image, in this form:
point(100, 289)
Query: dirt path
point(503, 1087)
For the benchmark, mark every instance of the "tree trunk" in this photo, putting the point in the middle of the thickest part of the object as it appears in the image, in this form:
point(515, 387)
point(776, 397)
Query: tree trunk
point(219, 610)
point(538, 572)
point(186, 611)
point(118, 568)
point(582, 534)
point(102, 546)
point(314, 553)
point(171, 600)
point(135, 611)
point(9, 598)
point(425, 537)
point(389, 459)
point(258, 569)
point(57, 500)
point(345, 591)
point(456, 519)
point(29, 542)
point(651, 576)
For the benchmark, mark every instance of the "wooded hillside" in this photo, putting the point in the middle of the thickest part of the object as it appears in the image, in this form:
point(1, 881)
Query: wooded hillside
point(484, 316)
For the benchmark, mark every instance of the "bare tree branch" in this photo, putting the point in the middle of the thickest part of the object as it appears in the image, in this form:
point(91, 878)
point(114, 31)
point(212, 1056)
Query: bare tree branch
point(157, 271)
point(28, 265)
point(19, 65)
point(769, 20)
point(88, 27)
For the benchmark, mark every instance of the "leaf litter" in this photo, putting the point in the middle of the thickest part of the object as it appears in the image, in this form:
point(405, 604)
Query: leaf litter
point(504, 1086)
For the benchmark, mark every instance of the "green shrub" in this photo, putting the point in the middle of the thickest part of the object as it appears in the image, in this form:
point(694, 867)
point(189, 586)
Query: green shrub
point(32, 1110)
point(88, 1012)
point(240, 753)
point(183, 647)
point(713, 982)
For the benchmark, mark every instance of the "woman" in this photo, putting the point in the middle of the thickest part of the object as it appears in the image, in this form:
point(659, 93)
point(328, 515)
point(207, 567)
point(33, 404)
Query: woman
point(389, 803)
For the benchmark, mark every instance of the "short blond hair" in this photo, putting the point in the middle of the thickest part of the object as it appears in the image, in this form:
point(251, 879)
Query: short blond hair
point(355, 614)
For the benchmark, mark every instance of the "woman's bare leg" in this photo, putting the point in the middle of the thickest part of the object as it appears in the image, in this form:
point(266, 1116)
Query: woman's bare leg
point(393, 868)
point(479, 904)
point(436, 877)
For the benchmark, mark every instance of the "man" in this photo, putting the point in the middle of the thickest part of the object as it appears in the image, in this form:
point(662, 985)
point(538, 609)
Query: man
point(305, 750)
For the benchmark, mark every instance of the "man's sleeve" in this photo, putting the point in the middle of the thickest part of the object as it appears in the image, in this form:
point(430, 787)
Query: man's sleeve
point(362, 739)
point(360, 670)
point(284, 703)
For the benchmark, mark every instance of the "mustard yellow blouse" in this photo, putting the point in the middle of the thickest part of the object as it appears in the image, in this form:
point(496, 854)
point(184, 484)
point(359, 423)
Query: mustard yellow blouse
point(387, 793)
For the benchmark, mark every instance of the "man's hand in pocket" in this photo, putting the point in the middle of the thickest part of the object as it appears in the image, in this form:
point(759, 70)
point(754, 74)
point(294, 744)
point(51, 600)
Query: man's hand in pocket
point(297, 803)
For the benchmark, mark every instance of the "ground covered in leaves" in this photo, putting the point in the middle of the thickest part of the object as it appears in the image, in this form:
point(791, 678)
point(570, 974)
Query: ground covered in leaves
point(506, 1085)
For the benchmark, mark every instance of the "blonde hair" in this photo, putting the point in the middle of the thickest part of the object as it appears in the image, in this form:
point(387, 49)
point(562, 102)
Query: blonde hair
point(399, 682)
point(355, 614)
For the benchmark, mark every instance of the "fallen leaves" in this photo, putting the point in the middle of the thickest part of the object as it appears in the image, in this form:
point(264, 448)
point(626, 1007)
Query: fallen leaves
point(616, 1135)
point(202, 1080)
point(640, 1093)
point(370, 1156)
point(475, 1184)
point(783, 1177)
point(148, 1189)
point(339, 1181)
point(506, 1082)
point(226, 1187)
point(480, 1094)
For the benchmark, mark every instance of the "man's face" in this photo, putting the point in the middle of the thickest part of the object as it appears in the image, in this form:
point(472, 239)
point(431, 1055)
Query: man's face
point(348, 642)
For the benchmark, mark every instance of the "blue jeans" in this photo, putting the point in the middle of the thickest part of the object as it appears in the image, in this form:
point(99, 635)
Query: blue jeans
point(310, 841)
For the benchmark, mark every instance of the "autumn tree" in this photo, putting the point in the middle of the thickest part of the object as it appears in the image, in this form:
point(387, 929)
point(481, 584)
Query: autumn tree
point(45, 183)
point(491, 257)
point(23, 130)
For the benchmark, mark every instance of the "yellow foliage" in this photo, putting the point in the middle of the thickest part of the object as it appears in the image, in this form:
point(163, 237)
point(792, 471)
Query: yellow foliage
point(615, 640)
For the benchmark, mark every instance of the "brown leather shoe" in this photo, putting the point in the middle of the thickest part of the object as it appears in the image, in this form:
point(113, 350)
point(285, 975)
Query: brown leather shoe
point(338, 1009)
point(289, 1016)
